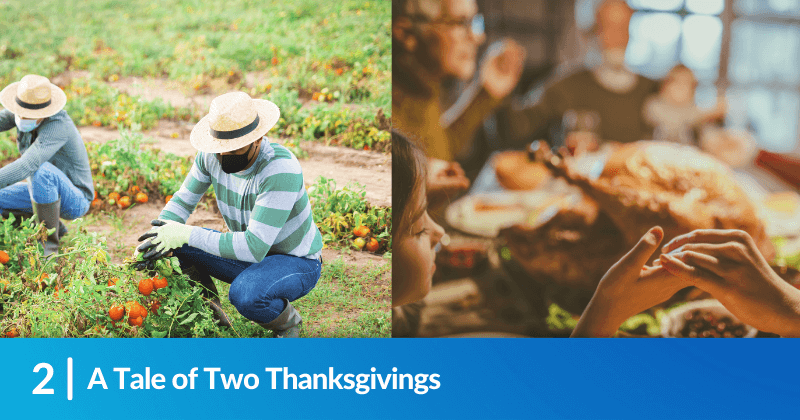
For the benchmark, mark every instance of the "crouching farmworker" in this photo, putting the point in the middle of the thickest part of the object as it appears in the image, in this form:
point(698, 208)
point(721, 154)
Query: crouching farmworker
point(272, 254)
point(52, 177)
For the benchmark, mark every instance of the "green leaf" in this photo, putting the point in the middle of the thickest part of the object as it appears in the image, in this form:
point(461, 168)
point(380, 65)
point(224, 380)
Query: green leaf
point(176, 265)
point(189, 319)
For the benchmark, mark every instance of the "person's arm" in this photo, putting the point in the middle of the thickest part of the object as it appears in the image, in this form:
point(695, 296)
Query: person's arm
point(445, 181)
point(728, 264)
point(628, 288)
point(462, 119)
point(500, 71)
point(277, 196)
point(51, 137)
point(6, 120)
point(182, 204)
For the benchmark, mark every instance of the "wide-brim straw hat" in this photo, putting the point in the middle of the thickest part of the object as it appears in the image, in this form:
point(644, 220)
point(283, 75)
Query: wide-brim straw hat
point(33, 97)
point(234, 121)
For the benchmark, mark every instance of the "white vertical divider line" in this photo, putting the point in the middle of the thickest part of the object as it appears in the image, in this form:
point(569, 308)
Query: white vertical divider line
point(69, 379)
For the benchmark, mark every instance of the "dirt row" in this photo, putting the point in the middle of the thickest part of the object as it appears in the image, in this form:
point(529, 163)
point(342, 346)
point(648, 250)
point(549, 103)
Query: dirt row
point(371, 169)
point(171, 92)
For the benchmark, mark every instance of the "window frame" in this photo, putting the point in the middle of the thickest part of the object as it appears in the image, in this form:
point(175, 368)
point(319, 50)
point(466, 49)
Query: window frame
point(728, 16)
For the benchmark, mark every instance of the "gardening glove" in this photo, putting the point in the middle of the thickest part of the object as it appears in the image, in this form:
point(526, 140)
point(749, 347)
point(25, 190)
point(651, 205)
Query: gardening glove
point(146, 265)
point(163, 238)
point(150, 233)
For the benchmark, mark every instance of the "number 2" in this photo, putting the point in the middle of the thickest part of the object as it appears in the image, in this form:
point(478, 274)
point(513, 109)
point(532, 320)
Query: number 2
point(39, 389)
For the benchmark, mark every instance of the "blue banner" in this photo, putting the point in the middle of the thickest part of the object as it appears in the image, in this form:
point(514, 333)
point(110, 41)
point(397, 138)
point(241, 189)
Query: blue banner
point(399, 378)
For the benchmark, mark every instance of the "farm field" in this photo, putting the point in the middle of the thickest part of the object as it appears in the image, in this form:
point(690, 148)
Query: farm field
point(137, 77)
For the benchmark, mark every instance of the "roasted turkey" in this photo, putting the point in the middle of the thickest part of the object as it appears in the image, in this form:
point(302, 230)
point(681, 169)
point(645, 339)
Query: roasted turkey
point(642, 185)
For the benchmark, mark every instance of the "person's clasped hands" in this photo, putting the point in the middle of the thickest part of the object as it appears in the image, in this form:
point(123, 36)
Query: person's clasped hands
point(728, 264)
point(725, 263)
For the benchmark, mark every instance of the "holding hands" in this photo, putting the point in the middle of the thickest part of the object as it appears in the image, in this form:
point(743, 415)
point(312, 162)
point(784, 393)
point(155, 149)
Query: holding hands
point(727, 264)
point(628, 288)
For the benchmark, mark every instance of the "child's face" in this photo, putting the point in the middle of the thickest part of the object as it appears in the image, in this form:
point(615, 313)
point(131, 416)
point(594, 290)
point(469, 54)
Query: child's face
point(414, 255)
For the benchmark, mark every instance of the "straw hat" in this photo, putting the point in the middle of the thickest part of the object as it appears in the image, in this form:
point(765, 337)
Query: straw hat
point(234, 121)
point(33, 97)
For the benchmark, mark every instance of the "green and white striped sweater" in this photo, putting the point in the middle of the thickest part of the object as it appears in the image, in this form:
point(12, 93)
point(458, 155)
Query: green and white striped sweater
point(265, 207)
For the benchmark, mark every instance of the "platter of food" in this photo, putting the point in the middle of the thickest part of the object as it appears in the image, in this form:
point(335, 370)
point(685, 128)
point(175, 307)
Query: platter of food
point(513, 190)
point(488, 213)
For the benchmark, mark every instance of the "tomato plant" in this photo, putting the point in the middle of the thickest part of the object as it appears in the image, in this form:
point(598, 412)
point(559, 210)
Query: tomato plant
point(91, 102)
point(344, 214)
point(95, 302)
point(126, 169)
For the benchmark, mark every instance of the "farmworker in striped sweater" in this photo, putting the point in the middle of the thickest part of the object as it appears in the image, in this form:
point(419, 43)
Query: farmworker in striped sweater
point(272, 254)
point(52, 177)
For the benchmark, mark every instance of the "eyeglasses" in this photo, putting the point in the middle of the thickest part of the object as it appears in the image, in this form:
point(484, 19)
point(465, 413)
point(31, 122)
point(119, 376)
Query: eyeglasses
point(476, 24)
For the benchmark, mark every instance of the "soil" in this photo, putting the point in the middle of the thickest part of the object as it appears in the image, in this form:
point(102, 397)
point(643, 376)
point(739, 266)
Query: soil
point(135, 221)
point(371, 169)
point(345, 165)
point(361, 261)
point(178, 95)
point(170, 92)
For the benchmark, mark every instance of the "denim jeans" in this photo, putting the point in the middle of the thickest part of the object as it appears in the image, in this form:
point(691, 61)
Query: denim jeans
point(257, 289)
point(45, 186)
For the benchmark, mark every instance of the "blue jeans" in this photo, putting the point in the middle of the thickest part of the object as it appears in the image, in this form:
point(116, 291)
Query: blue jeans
point(46, 185)
point(257, 289)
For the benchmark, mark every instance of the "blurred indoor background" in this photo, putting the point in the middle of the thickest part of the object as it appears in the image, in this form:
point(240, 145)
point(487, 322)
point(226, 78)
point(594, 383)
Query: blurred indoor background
point(746, 50)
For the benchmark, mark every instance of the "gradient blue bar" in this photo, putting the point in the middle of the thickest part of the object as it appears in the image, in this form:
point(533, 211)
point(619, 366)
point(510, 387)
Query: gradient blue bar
point(480, 378)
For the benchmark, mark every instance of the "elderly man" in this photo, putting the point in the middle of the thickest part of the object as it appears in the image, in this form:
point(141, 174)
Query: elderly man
point(605, 102)
point(52, 177)
point(435, 40)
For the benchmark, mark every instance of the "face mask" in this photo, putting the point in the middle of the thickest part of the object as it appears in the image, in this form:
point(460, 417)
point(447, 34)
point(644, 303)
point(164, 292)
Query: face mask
point(25, 125)
point(234, 163)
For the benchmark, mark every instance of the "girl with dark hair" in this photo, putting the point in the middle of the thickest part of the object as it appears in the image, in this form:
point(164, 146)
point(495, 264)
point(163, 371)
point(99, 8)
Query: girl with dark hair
point(414, 234)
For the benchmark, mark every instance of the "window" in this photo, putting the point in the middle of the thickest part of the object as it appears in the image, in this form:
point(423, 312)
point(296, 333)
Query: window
point(763, 75)
point(748, 50)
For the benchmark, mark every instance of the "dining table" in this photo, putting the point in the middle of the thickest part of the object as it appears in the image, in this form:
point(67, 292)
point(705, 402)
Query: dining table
point(479, 289)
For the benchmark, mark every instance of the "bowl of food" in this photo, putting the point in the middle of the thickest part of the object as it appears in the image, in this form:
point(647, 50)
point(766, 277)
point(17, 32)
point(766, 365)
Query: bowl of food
point(704, 319)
